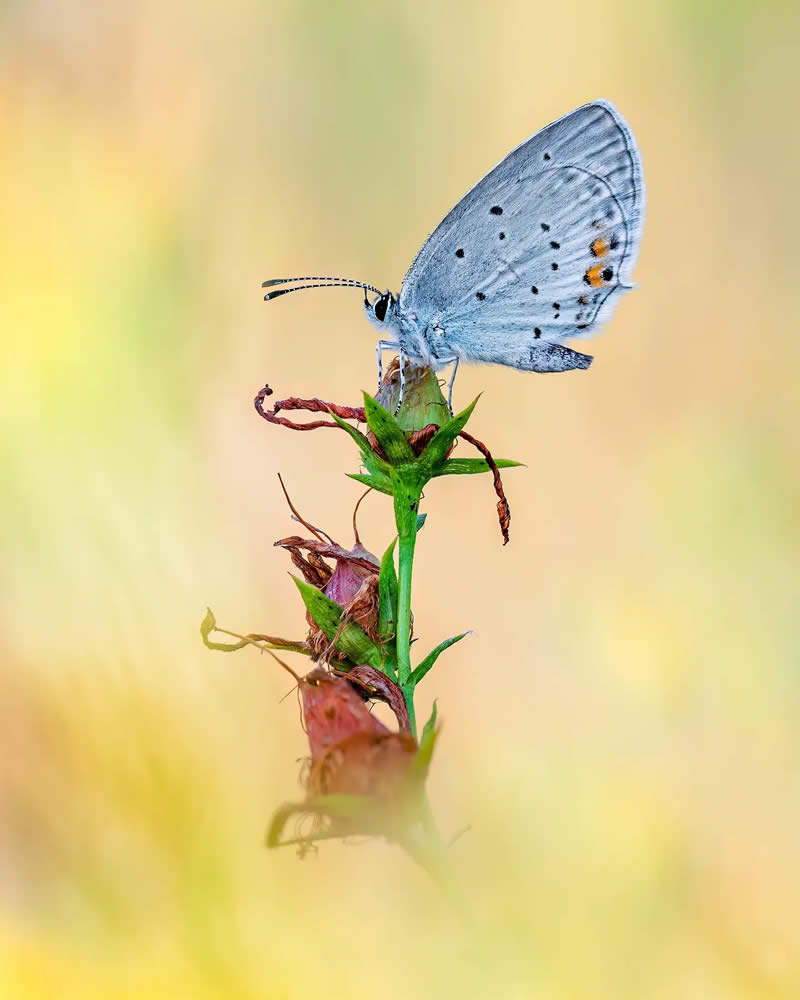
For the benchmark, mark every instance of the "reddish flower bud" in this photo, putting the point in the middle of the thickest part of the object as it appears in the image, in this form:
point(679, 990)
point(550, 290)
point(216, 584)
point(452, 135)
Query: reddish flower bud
point(352, 751)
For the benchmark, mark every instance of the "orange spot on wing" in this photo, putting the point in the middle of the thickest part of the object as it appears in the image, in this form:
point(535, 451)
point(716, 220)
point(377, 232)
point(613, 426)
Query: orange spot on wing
point(599, 247)
point(594, 276)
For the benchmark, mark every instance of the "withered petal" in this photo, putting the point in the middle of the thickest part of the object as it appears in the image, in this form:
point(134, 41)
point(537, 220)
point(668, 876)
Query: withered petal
point(357, 556)
point(373, 764)
point(333, 711)
point(378, 685)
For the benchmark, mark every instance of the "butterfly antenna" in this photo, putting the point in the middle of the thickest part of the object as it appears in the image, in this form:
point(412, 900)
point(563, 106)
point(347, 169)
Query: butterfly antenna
point(314, 281)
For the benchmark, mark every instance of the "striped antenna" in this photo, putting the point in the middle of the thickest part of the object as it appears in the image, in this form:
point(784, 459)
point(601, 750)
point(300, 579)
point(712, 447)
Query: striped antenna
point(316, 281)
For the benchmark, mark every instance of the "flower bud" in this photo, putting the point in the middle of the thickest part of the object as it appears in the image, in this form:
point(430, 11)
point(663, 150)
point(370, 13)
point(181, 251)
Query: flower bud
point(423, 403)
point(352, 751)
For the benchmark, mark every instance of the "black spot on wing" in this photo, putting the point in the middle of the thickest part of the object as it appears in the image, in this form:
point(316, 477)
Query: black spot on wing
point(496, 210)
point(459, 252)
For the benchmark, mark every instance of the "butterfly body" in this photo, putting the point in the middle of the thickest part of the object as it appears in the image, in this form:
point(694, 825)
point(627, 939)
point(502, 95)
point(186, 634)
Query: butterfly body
point(428, 344)
point(424, 343)
point(539, 251)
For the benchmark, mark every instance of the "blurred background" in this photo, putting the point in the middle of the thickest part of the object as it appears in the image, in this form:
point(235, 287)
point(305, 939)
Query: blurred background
point(621, 730)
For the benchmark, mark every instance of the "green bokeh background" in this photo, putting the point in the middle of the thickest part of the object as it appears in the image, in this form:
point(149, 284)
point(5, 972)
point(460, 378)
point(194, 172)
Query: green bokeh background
point(621, 729)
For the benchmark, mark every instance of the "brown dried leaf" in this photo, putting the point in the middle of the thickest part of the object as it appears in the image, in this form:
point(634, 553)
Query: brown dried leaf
point(308, 405)
point(314, 569)
point(503, 510)
point(353, 584)
point(378, 685)
point(419, 439)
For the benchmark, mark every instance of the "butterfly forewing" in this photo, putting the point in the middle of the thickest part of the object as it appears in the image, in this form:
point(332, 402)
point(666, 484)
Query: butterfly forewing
point(541, 247)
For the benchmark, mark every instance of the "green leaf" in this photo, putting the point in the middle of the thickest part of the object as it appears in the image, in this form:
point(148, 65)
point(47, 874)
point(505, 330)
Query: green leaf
point(439, 444)
point(406, 487)
point(420, 765)
point(380, 483)
point(386, 429)
point(376, 466)
point(471, 466)
point(432, 657)
point(421, 518)
point(256, 639)
point(387, 596)
point(208, 625)
point(349, 813)
point(360, 439)
point(430, 725)
point(352, 640)
point(372, 461)
point(347, 807)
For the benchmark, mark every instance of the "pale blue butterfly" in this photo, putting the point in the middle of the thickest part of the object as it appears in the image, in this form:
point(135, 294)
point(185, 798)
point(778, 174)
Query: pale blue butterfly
point(536, 253)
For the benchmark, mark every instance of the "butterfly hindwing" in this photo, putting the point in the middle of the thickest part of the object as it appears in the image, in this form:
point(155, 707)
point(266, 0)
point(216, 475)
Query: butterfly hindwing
point(540, 249)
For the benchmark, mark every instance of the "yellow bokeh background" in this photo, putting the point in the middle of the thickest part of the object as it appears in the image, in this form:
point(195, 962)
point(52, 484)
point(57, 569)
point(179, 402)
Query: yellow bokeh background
point(620, 731)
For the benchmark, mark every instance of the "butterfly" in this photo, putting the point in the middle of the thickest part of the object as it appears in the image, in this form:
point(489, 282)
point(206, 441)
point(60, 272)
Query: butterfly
point(539, 251)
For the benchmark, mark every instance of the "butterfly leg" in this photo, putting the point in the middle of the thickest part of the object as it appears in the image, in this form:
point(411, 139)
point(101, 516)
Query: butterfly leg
point(450, 386)
point(383, 345)
point(402, 381)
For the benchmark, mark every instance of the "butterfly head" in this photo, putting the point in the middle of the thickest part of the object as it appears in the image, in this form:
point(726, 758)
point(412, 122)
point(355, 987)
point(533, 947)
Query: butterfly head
point(382, 311)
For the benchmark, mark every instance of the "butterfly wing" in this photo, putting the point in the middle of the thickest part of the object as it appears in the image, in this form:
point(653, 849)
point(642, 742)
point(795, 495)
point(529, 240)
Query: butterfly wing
point(540, 250)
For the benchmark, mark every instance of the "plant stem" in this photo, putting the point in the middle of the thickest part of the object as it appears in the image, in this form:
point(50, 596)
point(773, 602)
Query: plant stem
point(406, 506)
point(426, 848)
point(405, 568)
point(408, 694)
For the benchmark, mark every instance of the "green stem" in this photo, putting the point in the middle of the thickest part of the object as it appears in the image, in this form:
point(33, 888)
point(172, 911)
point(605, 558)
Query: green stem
point(408, 694)
point(405, 568)
point(425, 847)
point(406, 506)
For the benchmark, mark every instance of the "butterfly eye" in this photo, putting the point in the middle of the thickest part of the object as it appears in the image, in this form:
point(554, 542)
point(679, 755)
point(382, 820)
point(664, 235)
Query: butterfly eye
point(380, 307)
